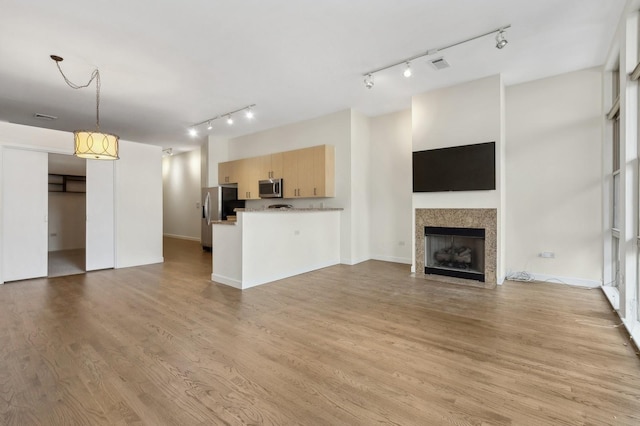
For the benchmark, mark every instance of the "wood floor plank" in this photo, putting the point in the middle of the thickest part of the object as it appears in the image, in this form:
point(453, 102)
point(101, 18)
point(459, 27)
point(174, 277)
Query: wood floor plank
point(357, 345)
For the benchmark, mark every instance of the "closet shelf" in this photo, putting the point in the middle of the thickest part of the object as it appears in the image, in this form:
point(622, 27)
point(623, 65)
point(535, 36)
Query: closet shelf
point(67, 183)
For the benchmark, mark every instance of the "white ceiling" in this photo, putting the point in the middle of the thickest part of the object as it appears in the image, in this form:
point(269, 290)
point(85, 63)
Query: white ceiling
point(168, 64)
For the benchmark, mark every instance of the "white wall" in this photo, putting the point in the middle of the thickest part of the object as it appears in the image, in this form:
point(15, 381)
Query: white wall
point(138, 205)
point(67, 219)
point(390, 194)
point(465, 114)
point(217, 152)
point(181, 182)
point(554, 132)
point(333, 129)
point(360, 188)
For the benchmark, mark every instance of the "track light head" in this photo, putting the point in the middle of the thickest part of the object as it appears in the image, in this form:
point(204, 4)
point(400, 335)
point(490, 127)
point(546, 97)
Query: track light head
point(249, 113)
point(368, 81)
point(407, 71)
point(501, 40)
point(209, 126)
point(229, 120)
point(193, 132)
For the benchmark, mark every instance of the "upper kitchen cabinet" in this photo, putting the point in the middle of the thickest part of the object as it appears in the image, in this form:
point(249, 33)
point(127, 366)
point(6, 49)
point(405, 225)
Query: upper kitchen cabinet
point(309, 172)
point(248, 170)
point(271, 166)
point(229, 172)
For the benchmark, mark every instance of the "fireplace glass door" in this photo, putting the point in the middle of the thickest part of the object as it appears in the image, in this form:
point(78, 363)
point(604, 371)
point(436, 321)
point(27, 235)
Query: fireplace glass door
point(455, 252)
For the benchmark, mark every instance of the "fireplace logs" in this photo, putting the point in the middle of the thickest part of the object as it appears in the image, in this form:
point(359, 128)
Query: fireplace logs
point(457, 257)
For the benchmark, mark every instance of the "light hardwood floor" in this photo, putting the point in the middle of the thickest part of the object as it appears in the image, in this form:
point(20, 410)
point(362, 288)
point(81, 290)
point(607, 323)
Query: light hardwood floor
point(365, 344)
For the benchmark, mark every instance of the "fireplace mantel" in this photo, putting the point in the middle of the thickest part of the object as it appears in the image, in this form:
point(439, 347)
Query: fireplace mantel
point(486, 219)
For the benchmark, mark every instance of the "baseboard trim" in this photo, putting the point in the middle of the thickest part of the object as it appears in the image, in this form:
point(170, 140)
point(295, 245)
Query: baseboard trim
point(393, 259)
point(181, 237)
point(573, 281)
point(232, 282)
point(140, 263)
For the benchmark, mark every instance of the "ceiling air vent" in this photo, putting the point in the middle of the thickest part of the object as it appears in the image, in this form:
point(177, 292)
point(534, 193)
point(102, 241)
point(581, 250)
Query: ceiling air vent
point(440, 63)
point(44, 116)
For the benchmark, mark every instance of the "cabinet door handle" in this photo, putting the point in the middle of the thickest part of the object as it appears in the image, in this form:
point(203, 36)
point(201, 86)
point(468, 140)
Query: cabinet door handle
point(314, 191)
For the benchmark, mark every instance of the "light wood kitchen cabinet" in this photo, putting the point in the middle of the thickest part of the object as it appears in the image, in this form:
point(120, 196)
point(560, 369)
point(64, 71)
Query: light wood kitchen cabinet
point(306, 173)
point(324, 170)
point(309, 172)
point(249, 175)
point(228, 172)
point(271, 166)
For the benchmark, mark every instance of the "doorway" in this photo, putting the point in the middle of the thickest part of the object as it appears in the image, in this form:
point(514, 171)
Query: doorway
point(25, 213)
point(66, 215)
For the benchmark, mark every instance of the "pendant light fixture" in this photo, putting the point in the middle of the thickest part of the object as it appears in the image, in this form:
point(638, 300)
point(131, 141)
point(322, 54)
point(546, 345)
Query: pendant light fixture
point(92, 144)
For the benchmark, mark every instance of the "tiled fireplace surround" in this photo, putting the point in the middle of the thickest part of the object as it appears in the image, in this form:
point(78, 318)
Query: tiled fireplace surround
point(459, 218)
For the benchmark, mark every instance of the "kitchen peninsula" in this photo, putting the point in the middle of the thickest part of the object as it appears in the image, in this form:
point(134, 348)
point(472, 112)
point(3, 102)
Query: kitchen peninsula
point(265, 245)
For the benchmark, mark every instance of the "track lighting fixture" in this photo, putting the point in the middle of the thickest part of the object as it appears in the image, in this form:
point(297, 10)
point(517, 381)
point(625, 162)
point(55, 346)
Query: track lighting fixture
point(228, 115)
point(501, 42)
point(368, 81)
point(407, 71)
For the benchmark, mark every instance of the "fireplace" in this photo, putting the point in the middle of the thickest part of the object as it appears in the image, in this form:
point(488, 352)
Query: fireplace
point(454, 252)
point(460, 271)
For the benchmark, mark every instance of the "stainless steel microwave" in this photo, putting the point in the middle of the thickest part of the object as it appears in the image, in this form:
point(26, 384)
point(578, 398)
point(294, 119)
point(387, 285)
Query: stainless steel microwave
point(270, 188)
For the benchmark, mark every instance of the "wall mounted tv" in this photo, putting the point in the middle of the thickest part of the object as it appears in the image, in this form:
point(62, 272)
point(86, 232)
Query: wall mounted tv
point(458, 168)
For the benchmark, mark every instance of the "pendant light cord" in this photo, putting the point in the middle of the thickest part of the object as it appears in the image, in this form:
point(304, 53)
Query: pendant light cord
point(95, 75)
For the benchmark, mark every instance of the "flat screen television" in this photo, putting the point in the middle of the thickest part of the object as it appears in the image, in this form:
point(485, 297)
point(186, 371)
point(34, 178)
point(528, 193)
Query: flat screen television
point(458, 168)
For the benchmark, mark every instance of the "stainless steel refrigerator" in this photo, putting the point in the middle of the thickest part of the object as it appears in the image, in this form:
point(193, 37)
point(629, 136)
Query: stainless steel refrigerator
point(218, 203)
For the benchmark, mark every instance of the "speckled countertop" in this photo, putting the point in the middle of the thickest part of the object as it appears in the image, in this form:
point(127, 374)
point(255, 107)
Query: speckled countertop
point(280, 210)
point(292, 209)
point(223, 222)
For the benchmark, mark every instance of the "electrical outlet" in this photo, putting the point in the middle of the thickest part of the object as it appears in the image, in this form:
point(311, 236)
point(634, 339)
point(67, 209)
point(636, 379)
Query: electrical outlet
point(54, 234)
point(547, 255)
point(401, 243)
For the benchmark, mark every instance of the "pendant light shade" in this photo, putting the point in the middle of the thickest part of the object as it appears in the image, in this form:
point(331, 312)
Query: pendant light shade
point(95, 145)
